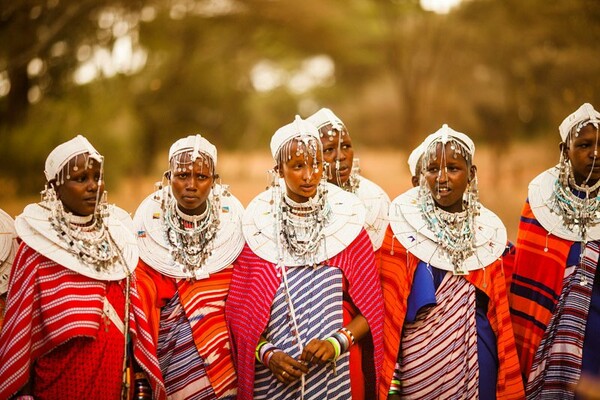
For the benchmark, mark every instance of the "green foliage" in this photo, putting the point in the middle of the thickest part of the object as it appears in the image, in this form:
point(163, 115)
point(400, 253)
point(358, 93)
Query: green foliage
point(495, 69)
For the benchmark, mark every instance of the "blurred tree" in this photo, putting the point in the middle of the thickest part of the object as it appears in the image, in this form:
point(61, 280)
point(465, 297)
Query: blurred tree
point(236, 70)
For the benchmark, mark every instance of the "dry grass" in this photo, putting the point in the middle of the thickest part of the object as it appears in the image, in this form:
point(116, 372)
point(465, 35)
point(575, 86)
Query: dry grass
point(503, 177)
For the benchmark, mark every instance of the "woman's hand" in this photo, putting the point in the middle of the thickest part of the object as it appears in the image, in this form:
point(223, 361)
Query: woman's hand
point(285, 368)
point(317, 351)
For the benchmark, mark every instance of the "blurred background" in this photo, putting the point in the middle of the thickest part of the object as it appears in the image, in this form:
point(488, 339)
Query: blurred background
point(134, 76)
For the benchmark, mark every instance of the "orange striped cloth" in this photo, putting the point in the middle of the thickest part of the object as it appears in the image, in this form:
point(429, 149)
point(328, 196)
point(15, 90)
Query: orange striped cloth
point(204, 304)
point(537, 284)
point(397, 268)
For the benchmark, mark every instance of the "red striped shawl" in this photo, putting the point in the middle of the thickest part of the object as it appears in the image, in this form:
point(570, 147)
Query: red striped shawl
point(397, 272)
point(537, 284)
point(48, 305)
point(253, 288)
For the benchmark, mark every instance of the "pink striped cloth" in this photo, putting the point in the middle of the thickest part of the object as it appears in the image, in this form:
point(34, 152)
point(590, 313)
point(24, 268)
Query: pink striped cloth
point(49, 305)
point(439, 349)
point(556, 367)
point(253, 288)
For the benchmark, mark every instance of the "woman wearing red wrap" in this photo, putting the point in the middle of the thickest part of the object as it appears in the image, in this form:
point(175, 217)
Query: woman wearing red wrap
point(189, 233)
point(555, 294)
point(304, 305)
point(447, 327)
point(74, 327)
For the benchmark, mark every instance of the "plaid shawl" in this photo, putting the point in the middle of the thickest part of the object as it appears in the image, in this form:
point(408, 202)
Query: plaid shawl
point(397, 272)
point(253, 288)
point(537, 282)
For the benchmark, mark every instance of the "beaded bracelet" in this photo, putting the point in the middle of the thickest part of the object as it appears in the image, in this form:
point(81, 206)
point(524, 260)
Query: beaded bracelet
point(268, 355)
point(395, 387)
point(349, 334)
point(258, 348)
point(264, 350)
point(336, 346)
point(343, 341)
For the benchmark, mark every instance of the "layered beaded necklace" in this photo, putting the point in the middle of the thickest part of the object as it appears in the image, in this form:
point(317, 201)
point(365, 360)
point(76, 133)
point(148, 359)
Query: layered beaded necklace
point(86, 237)
point(302, 225)
point(190, 238)
point(576, 212)
point(454, 232)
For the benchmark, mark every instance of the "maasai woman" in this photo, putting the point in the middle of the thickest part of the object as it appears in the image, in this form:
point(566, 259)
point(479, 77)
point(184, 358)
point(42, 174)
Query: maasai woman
point(555, 295)
point(344, 171)
point(447, 324)
point(74, 327)
point(305, 289)
point(8, 249)
point(189, 233)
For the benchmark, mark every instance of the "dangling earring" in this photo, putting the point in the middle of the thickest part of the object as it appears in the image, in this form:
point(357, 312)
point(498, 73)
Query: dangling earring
point(273, 183)
point(102, 211)
point(49, 195)
point(218, 190)
point(472, 202)
point(564, 170)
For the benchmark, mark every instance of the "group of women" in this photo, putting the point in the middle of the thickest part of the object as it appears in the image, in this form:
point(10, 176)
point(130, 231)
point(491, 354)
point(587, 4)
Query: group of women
point(321, 288)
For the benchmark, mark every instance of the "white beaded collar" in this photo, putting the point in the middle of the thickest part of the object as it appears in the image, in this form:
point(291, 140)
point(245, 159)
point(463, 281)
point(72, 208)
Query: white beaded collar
point(155, 251)
point(34, 228)
point(540, 193)
point(412, 232)
point(344, 224)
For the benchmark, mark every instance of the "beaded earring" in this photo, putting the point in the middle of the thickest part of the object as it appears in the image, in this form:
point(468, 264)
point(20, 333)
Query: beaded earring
point(471, 203)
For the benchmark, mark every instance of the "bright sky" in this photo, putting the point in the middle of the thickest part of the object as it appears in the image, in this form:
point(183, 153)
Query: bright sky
point(439, 6)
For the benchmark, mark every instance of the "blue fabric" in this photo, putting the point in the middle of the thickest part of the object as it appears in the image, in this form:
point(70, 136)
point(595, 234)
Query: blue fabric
point(422, 294)
point(487, 351)
point(591, 343)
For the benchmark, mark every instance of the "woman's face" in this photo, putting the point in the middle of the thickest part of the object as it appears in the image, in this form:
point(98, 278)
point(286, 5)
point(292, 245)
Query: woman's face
point(448, 177)
point(301, 174)
point(338, 148)
point(584, 156)
point(191, 187)
point(81, 189)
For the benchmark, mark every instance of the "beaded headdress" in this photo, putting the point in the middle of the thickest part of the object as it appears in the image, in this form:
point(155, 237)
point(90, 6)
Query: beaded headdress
point(455, 232)
point(63, 154)
point(299, 130)
point(586, 114)
point(184, 152)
